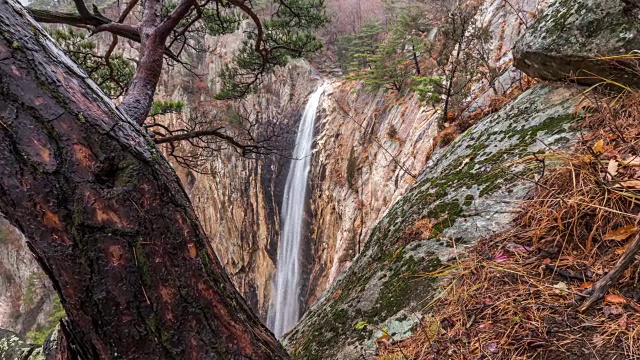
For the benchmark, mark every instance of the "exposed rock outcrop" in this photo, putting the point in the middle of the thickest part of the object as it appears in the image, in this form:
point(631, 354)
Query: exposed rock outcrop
point(467, 191)
point(571, 38)
point(369, 147)
point(26, 297)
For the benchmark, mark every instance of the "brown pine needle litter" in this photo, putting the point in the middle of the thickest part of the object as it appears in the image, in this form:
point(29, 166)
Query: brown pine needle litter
point(517, 296)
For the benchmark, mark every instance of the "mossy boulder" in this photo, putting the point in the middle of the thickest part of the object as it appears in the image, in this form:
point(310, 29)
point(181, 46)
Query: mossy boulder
point(467, 191)
point(570, 38)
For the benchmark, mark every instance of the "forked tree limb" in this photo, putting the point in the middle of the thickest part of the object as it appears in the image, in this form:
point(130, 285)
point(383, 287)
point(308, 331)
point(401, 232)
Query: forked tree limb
point(600, 288)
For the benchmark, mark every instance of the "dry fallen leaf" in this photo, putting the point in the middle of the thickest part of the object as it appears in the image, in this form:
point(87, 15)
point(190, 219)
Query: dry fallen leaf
point(491, 347)
point(612, 169)
point(615, 299)
point(585, 285)
point(629, 184)
point(598, 147)
point(193, 251)
point(561, 286)
point(632, 161)
point(621, 233)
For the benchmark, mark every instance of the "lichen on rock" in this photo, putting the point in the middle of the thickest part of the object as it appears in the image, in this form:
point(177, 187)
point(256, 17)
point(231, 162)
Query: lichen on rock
point(468, 190)
point(12, 347)
point(571, 37)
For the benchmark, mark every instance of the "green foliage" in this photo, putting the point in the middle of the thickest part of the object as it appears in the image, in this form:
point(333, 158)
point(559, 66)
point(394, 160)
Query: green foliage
point(289, 32)
point(29, 294)
point(220, 18)
point(428, 88)
point(112, 74)
point(40, 333)
point(351, 48)
point(221, 22)
point(393, 59)
point(271, 40)
point(166, 107)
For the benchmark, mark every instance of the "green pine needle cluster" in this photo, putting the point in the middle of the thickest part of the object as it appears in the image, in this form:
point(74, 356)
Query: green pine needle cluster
point(287, 33)
point(112, 75)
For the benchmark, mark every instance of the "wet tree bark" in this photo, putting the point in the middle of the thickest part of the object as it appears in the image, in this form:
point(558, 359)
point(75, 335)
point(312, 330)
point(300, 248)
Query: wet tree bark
point(107, 219)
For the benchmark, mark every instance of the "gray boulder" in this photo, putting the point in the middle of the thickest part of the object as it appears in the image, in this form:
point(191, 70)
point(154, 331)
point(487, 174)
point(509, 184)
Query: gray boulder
point(567, 40)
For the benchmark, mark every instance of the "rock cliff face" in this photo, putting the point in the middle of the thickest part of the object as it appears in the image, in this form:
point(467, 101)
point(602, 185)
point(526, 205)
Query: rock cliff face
point(467, 191)
point(238, 199)
point(26, 298)
point(385, 207)
point(362, 141)
point(369, 149)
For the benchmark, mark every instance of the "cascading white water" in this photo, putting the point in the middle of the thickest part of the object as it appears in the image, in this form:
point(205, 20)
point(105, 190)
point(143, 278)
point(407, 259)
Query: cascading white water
point(284, 309)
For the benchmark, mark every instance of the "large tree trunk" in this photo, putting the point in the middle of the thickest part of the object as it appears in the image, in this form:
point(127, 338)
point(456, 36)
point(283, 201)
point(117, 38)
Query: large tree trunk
point(107, 218)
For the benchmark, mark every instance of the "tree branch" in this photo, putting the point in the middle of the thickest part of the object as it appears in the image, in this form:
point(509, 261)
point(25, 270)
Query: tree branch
point(201, 133)
point(256, 20)
point(600, 288)
point(175, 17)
point(56, 17)
point(82, 8)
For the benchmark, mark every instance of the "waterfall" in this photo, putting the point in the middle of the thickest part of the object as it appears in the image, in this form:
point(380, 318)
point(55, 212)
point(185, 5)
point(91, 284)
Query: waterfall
point(284, 309)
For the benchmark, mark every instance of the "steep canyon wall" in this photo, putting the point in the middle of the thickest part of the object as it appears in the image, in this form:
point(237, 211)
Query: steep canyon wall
point(369, 149)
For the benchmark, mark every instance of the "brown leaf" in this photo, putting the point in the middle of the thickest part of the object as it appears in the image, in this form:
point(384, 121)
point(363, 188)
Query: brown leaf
point(585, 285)
point(621, 233)
point(193, 251)
point(612, 169)
point(629, 184)
point(615, 299)
point(631, 161)
point(598, 147)
point(337, 293)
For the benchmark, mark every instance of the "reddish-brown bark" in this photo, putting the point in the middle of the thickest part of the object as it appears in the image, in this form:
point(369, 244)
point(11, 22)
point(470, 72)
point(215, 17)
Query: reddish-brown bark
point(107, 218)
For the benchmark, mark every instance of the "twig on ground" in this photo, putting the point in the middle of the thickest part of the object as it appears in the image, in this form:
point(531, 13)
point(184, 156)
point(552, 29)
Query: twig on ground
point(601, 287)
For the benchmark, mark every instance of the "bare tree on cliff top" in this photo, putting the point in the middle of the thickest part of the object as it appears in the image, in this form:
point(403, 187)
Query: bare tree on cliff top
point(172, 32)
point(103, 212)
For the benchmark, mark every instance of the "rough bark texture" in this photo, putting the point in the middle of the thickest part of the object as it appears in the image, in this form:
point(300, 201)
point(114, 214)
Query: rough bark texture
point(107, 219)
point(139, 96)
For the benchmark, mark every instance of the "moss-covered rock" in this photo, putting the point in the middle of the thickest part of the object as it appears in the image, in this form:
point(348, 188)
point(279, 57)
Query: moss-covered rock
point(571, 34)
point(12, 347)
point(467, 191)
